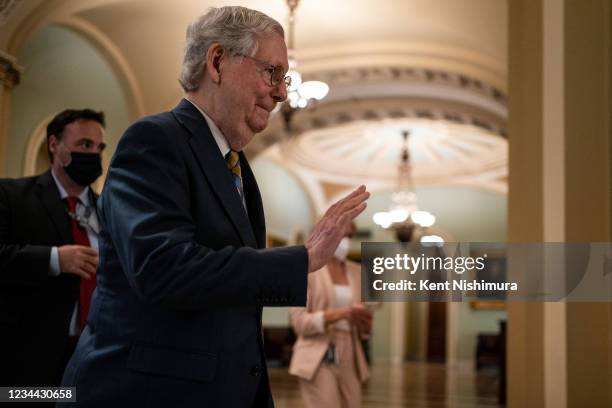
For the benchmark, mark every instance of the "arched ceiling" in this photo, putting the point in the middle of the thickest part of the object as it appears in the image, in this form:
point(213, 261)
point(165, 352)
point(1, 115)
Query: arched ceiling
point(391, 64)
point(330, 161)
point(465, 36)
point(439, 150)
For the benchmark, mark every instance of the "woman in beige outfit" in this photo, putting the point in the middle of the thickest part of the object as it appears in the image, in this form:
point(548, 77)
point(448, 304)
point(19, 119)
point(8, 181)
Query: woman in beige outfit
point(328, 357)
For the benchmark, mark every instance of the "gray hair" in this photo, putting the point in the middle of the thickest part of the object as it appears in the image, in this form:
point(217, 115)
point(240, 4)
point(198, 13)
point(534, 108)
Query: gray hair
point(236, 29)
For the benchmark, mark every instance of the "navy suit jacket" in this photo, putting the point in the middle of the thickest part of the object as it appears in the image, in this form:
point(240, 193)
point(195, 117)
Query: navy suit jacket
point(35, 308)
point(176, 317)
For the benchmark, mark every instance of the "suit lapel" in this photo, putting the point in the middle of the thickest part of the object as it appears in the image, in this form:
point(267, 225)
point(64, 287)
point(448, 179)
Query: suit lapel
point(214, 168)
point(51, 200)
point(253, 202)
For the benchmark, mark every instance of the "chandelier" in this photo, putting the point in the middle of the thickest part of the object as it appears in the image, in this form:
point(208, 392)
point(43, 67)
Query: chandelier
point(300, 94)
point(403, 214)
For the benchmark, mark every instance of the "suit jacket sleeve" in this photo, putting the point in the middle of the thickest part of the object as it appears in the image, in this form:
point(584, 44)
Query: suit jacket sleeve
point(20, 264)
point(307, 323)
point(304, 320)
point(146, 210)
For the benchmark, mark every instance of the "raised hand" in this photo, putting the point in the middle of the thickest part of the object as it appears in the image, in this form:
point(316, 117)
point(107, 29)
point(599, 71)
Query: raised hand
point(334, 225)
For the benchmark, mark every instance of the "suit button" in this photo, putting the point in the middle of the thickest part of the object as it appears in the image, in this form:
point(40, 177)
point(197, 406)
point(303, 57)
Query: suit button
point(255, 371)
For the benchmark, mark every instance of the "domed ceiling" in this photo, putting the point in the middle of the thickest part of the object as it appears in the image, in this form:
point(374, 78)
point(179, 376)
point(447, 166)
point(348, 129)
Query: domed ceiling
point(434, 67)
point(439, 150)
point(328, 162)
point(145, 38)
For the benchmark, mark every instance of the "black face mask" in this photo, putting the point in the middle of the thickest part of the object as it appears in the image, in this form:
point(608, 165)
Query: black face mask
point(84, 168)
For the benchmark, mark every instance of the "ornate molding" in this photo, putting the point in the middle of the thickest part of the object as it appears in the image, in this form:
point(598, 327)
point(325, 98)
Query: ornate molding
point(401, 111)
point(395, 74)
point(373, 110)
point(10, 72)
point(406, 54)
point(409, 92)
point(6, 8)
point(441, 151)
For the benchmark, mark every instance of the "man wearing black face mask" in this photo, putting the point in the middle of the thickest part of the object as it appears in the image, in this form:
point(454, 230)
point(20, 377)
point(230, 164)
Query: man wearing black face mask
point(48, 253)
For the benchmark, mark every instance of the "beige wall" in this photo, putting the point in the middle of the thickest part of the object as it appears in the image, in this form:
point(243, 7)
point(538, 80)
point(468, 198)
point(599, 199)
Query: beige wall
point(62, 69)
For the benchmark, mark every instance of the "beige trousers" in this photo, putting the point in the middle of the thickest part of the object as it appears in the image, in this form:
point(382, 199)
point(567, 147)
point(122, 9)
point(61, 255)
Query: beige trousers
point(335, 385)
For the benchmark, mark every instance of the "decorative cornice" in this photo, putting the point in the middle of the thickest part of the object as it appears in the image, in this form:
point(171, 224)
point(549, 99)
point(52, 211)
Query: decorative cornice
point(417, 92)
point(10, 72)
point(374, 110)
point(374, 114)
point(6, 8)
point(397, 74)
point(441, 150)
point(405, 54)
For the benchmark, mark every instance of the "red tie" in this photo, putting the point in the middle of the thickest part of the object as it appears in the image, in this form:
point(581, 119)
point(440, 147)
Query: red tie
point(79, 234)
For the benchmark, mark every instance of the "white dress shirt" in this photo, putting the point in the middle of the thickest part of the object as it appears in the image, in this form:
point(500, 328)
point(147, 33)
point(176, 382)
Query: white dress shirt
point(221, 141)
point(344, 297)
point(224, 147)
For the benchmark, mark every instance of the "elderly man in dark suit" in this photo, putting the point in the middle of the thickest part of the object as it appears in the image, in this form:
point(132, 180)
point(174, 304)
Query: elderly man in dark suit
point(48, 236)
point(183, 275)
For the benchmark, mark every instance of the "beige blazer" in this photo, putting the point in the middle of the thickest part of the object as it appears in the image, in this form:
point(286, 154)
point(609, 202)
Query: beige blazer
point(308, 322)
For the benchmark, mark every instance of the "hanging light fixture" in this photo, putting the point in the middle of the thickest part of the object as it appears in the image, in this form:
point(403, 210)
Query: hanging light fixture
point(300, 94)
point(403, 214)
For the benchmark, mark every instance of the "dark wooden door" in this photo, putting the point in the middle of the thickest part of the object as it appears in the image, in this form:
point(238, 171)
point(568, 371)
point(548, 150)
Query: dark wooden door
point(436, 332)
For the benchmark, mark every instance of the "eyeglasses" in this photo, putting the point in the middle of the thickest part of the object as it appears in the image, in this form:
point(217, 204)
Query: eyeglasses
point(273, 72)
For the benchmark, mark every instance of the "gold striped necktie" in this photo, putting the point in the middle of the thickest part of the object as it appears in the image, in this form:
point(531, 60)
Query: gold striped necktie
point(232, 159)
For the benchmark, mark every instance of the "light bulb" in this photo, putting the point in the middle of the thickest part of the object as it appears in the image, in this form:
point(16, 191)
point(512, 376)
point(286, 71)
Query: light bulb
point(313, 90)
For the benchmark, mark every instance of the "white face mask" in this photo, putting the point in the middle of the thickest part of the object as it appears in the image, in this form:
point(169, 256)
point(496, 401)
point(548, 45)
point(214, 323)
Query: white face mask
point(343, 249)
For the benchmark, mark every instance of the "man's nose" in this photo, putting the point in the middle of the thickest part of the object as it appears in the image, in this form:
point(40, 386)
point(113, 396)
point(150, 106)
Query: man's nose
point(279, 92)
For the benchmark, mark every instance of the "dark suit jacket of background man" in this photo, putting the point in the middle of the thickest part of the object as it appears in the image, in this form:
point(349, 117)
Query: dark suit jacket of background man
point(176, 317)
point(35, 309)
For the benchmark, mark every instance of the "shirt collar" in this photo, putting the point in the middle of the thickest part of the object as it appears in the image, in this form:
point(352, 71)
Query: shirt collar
point(216, 132)
point(83, 197)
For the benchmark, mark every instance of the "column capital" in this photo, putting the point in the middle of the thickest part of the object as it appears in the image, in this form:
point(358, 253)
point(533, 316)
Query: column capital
point(10, 71)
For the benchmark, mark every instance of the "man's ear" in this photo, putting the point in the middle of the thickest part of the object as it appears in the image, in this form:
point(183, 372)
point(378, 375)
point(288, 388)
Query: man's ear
point(53, 143)
point(214, 59)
